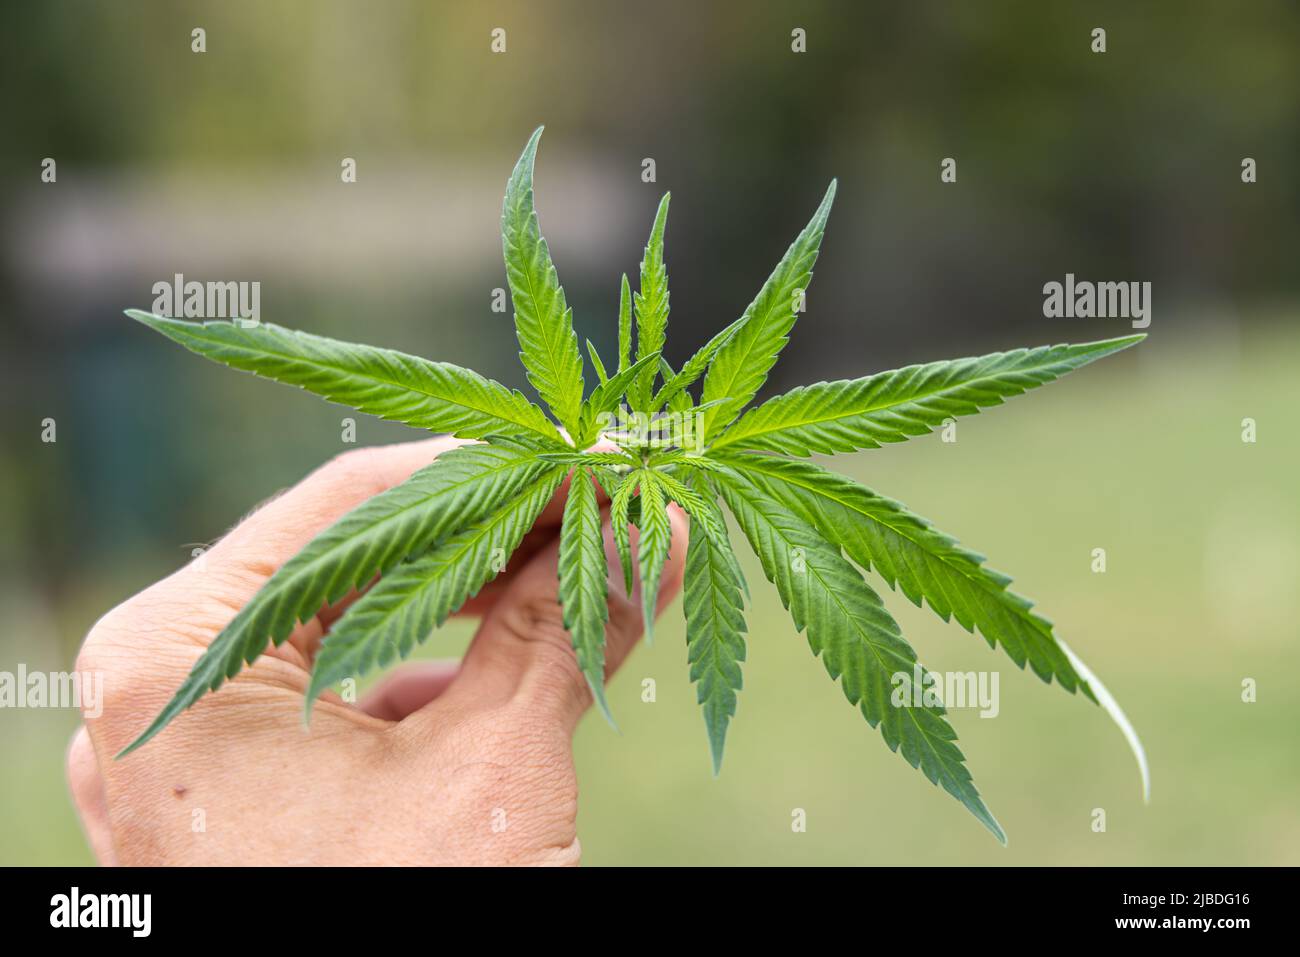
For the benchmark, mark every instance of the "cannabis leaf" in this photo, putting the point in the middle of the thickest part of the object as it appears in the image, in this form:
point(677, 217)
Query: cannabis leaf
point(583, 578)
point(460, 485)
point(907, 551)
point(597, 362)
point(620, 517)
point(648, 441)
point(741, 365)
point(624, 324)
point(676, 384)
point(651, 303)
point(715, 632)
point(894, 406)
point(419, 595)
point(858, 640)
point(437, 396)
point(543, 320)
point(653, 545)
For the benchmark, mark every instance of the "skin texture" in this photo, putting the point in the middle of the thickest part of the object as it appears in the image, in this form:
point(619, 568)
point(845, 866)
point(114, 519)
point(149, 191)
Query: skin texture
point(444, 763)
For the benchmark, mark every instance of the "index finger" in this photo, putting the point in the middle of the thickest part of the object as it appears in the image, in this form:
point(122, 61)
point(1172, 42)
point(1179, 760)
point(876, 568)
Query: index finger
point(255, 548)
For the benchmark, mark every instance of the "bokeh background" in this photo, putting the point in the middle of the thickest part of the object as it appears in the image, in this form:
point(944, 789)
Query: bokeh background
point(1118, 166)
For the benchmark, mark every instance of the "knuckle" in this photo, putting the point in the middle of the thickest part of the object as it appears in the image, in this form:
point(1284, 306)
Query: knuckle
point(76, 765)
point(626, 622)
point(539, 623)
point(124, 651)
point(353, 468)
point(371, 467)
point(537, 626)
point(101, 651)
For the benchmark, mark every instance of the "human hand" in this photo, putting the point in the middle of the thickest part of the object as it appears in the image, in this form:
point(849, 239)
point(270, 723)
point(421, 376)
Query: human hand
point(449, 762)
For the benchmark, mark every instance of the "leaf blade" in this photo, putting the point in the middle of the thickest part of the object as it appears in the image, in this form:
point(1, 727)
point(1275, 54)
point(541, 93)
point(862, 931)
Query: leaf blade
point(624, 324)
point(392, 385)
point(652, 545)
point(417, 596)
point(620, 506)
point(910, 554)
point(715, 633)
point(597, 363)
point(650, 304)
point(694, 368)
point(858, 641)
point(893, 406)
point(740, 367)
point(584, 577)
point(548, 345)
point(459, 485)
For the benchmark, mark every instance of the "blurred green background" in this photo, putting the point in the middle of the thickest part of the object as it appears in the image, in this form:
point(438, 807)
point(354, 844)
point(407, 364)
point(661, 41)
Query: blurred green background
point(1118, 166)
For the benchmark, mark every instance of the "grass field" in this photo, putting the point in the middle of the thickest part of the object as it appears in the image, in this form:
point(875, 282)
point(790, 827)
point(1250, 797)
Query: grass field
point(1141, 455)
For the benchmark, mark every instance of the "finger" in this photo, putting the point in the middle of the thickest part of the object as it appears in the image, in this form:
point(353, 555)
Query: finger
point(197, 601)
point(152, 639)
point(522, 652)
point(381, 468)
point(409, 689)
point(252, 551)
point(87, 787)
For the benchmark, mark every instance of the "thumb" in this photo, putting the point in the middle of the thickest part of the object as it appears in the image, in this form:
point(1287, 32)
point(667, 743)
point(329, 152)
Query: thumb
point(523, 654)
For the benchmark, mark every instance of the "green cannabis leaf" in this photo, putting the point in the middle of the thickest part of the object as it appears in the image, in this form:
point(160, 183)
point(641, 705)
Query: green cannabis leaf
point(644, 441)
point(650, 304)
point(655, 541)
point(543, 320)
point(858, 641)
point(437, 396)
point(906, 551)
point(893, 406)
point(715, 631)
point(419, 595)
point(583, 579)
point(741, 365)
